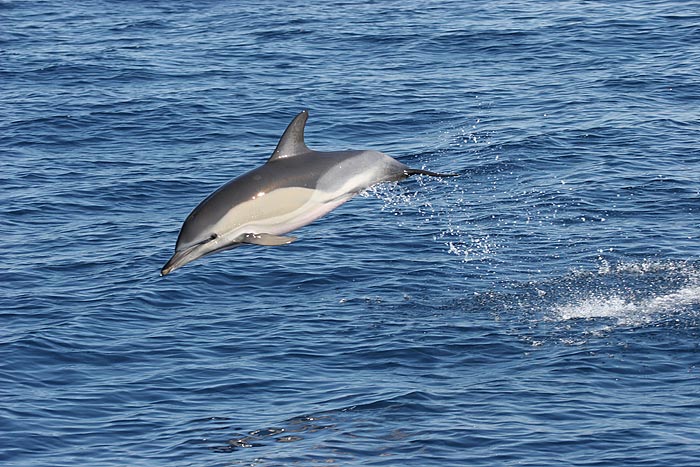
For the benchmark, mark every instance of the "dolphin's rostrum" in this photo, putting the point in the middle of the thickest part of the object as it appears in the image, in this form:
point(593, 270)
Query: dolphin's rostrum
point(296, 186)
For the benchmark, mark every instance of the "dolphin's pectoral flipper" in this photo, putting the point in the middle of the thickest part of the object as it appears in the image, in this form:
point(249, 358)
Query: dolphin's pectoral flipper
point(266, 239)
point(409, 172)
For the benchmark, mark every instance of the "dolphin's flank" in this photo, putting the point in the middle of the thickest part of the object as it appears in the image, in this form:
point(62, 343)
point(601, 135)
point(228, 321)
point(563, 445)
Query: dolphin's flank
point(296, 186)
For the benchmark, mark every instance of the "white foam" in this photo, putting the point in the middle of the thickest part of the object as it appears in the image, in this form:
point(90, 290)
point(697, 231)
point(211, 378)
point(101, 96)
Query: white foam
point(629, 310)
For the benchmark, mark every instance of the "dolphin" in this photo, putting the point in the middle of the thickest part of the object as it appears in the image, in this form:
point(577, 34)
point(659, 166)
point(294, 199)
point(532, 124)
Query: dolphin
point(296, 186)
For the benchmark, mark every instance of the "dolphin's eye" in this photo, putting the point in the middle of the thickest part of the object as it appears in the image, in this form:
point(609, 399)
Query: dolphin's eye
point(213, 237)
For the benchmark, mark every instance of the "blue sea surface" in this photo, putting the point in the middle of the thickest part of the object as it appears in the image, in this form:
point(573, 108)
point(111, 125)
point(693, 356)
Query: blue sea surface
point(542, 309)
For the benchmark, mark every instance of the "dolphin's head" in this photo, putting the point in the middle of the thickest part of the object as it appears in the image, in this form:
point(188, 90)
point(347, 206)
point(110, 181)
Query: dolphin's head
point(198, 237)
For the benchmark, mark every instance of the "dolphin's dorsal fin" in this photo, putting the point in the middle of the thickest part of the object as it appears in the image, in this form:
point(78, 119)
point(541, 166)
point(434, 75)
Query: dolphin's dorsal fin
point(292, 141)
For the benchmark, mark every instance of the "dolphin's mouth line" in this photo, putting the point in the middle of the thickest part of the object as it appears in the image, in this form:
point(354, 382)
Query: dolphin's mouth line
point(225, 246)
point(182, 257)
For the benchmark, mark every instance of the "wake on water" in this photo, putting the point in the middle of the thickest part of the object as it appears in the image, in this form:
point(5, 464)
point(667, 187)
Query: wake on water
point(627, 294)
point(593, 301)
point(583, 305)
point(663, 292)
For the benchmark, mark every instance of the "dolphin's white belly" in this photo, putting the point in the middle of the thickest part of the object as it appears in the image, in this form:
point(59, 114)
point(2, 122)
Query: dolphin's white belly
point(279, 212)
point(284, 210)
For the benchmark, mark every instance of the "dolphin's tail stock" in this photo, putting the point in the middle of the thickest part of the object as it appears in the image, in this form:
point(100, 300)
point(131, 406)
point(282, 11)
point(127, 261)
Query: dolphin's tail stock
point(409, 172)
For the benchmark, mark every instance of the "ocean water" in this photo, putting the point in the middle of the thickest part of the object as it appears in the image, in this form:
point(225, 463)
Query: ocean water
point(542, 309)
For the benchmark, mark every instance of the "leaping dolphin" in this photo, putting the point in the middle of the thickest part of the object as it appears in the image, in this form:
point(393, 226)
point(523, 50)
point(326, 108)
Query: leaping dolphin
point(296, 186)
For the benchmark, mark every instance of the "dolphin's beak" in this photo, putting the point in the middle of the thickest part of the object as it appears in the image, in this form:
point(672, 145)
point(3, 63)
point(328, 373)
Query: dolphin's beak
point(173, 263)
point(182, 257)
